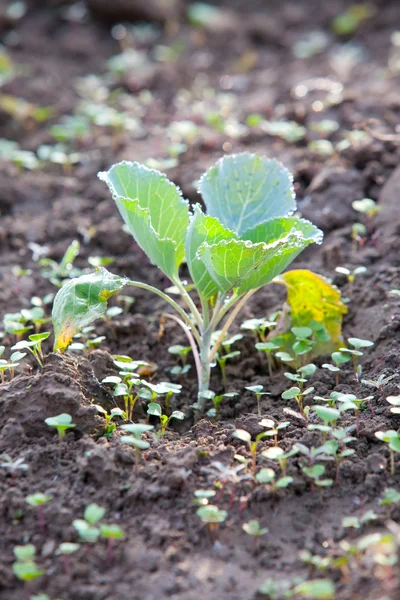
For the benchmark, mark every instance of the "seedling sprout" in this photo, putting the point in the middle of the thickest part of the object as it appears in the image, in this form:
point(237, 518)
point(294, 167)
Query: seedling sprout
point(62, 423)
point(211, 516)
point(257, 389)
point(111, 533)
point(136, 430)
point(39, 500)
point(65, 550)
point(155, 410)
point(392, 439)
point(34, 346)
point(254, 529)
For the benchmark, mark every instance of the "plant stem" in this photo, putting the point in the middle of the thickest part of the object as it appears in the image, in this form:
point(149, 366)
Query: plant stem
point(191, 305)
point(392, 467)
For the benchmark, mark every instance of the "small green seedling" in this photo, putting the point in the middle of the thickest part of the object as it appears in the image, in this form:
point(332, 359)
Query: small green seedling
point(351, 402)
point(201, 497)
point(268, 348)
point(62, 423)
point(216, 400)
point(351, 275)
point(257, 389)
point(303, 343)
point(65, 550)
point(39, 500)
point(111, 533)
point(390, 499)
point(25, 567)
point(55, 272)
point(136, 430)
point(380, 382)
point(244, 242)
point(329, 416)
point(296, 394)
point(302, 374)
point(278, 454)
point(392, 439)
point(13, 466)
point(358, 235)
point(163, 388)
point(245, 436)
point(317, 589)
point(315, 473)
point(34, 346)
point(366, 206)
point(222, 358)
point(182, 352)
point(211, 516)
point(254, 529)
point(355, 353)
point(115, 412)
point(358, 522)
point(395, 404)
point(259, 327)
point(155, 410)
point(11, 364)
point(268, 476)
point(339, 358)
point(273, 429)
point(86, 527)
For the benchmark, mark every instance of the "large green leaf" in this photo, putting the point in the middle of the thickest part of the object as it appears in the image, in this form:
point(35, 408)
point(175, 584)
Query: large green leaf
point(276, 228)
point(244, 190)
point(203, 228)
point(80, 301)
point(154, 211)
point(244, 265)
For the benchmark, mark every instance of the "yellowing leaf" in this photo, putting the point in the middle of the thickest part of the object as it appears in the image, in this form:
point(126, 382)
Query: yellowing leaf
point(80, 301)
point(311, 299)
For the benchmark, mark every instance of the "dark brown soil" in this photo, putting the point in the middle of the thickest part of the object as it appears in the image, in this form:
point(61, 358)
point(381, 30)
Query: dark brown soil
point(166, 552)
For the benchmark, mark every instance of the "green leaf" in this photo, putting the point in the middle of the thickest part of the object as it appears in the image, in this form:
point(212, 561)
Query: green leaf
point(80, 301)
point(244, 190)
point(203, 228)
point(154, 409)
point(154, 211)
point(246, 266)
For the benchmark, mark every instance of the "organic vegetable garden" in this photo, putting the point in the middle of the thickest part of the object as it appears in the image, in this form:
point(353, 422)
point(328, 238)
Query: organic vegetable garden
point(200, 300)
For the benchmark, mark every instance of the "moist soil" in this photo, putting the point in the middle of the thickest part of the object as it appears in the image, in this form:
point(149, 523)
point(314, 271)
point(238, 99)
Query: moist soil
point(167, 552)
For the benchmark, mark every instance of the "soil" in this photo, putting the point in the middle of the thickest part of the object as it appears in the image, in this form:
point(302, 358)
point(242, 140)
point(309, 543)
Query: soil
point(167, 552)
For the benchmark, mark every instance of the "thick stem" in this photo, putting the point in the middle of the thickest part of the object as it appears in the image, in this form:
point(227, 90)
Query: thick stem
point(191, 305)
point(205, 367)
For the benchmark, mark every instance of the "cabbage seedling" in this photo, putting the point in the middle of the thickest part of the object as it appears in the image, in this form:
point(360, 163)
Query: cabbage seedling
point(223, 358)
point(182, 352)
point(351, 402)
point(390, 499)
point(268, 476)
point(86, 527)
point(392, 439)
point(211, 516)
point(268, 347)
point(155, 410)
point(216, 400)
point(253, 528)
point(278, 454)
point(25, 567)
point(351, 275)
point(366, 206)
point(244, 242)
point(339, 358)
point(315, 473)
point(64, 550)
point(358, 522)
point(39, 500)
point(302, 374)
point(34, 346)
point(245, 436)
point(257, 389)
point(296, 394)
point(273, 430)
point(62, 423)
point(303, 344)
point(136, 431)
point(201, 497)
point(355, 352)
point(111, 533)
point(258, 327)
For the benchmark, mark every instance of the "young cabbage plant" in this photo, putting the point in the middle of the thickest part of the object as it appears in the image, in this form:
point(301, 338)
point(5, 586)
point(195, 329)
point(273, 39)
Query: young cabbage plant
point(245, 436)
point(216, 400)
point(268, 476)
point(155, 410)
point(34, 346)
point(253, 528)
point(244, 241)
point(62, 423)
point(136, 430)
